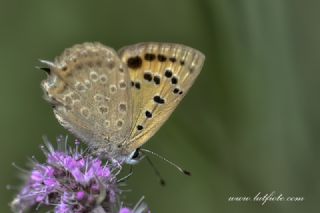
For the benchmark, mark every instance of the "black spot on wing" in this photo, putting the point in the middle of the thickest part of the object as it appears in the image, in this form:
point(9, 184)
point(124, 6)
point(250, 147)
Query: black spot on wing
point(168, 73)
point(158, 99)
point(174, 80)
point(147, 76)
point(172, 59)
point(149, 56)
point(137, 85)
point(162, 58)
point(176, 90)
point(134, 62)
point(156, 80)
point(148, 114)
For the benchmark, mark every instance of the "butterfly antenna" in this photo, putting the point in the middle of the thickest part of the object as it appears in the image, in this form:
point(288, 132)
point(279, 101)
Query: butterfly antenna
point(169, 162)
point(156, 171)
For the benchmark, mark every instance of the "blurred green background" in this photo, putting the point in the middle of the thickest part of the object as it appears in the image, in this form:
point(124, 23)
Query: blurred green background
point(250, 123)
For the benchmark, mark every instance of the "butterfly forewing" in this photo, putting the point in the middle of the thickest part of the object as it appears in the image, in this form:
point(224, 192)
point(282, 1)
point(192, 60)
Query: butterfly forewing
point(89, 88)
point(160, 74)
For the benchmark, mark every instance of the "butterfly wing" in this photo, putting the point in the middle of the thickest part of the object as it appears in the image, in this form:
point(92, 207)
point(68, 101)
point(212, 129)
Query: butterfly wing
point(161, 74)
point(88, 86)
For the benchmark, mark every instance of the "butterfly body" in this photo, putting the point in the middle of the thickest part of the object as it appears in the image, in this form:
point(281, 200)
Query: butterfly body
point(114, 101)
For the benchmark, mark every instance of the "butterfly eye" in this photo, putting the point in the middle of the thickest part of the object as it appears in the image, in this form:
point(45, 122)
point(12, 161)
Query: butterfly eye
point(134, 157)
point(136, 154)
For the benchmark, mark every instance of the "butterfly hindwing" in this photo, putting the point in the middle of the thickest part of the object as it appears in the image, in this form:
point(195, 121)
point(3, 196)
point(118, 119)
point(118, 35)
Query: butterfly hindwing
point(160, 74)
point(89, 88)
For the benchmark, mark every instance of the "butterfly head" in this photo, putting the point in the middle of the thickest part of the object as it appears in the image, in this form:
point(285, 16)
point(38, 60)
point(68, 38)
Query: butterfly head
point(119, 153)
point(134, 157)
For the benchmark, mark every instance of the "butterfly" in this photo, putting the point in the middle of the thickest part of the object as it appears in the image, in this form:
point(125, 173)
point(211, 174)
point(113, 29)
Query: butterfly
point(116, 101)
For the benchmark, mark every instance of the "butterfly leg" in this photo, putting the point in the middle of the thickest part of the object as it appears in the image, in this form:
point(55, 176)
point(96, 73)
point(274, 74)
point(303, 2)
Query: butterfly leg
point(123, 179)
point(116, 164)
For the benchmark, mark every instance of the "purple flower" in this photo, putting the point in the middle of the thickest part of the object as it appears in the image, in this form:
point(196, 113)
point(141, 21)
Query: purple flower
point(70, 181)
point(125, 210)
